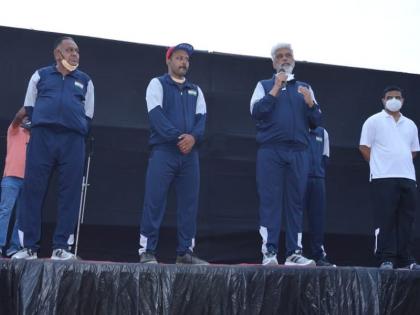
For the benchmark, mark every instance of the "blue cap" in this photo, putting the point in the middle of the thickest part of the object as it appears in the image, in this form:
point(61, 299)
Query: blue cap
point(189, 49)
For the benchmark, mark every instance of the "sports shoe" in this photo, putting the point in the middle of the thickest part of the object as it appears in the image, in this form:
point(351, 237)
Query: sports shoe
point(11, 251)
point(147, 258)
point(25, 253)
point(62, 254)
point(270, 258)
point(190, 259)
point(323, 262)
point(387, 265)
point(297, 259)
point(412, 266)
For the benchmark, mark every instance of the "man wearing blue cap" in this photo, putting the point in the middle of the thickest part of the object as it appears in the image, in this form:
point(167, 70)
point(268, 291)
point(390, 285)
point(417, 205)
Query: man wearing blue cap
point(177, 115)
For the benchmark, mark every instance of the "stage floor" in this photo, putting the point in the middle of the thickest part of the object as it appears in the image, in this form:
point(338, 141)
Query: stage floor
point(86, 287)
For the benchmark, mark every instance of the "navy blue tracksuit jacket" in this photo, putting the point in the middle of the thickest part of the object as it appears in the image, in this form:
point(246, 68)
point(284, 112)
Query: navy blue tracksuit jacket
point(282, 124)
point(61, 108)
point(173, 109)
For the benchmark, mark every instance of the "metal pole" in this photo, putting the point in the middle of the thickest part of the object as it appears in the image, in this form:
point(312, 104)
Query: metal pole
point(85, 184)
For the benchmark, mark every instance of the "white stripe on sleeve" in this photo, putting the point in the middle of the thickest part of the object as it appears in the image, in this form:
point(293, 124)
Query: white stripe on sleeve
point(258, 94)
point(201, 103)
point(90, 100)
point(32, 91)
point(154, 94)
point(326, 144)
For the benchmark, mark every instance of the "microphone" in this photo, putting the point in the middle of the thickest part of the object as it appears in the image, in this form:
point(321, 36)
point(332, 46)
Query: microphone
point(284, 83)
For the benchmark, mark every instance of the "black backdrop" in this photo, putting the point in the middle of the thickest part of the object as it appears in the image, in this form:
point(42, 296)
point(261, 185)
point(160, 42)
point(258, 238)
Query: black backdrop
point(228, 199)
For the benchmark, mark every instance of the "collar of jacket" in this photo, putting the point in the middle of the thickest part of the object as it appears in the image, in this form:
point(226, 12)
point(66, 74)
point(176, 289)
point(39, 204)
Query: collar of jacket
point(186, 83)
point(55, 70)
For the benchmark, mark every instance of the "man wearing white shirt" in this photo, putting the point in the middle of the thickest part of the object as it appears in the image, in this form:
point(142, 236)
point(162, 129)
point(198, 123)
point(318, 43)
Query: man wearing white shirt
point(389, 142)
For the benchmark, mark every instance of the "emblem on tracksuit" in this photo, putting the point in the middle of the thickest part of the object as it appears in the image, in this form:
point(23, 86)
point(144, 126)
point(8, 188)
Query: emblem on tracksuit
point(319, 139)
point(192, 92)
point(78, 84)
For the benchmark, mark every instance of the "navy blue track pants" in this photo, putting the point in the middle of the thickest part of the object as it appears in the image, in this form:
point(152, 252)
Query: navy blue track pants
point(315, 204)
point(281, 181)
point(167, 166)
point(51, 148)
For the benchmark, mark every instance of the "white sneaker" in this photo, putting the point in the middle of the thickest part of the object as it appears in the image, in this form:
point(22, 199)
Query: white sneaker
point(270, 259)
point(62, 254)
point(25, 253)
point(298, 260)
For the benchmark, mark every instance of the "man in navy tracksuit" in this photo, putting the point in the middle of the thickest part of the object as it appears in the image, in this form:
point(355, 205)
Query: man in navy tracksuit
point(284, 109)
point(315, 199)
point(177, 115)
point(60, 104)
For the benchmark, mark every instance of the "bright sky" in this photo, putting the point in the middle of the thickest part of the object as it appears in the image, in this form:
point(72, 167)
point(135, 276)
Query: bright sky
point(375, 34)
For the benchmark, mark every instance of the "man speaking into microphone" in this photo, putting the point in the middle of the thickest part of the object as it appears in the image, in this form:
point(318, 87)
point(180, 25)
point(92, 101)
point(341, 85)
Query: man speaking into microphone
point(284, 110)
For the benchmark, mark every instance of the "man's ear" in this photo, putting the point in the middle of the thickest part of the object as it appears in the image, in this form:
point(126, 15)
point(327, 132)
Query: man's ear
point(57, 55)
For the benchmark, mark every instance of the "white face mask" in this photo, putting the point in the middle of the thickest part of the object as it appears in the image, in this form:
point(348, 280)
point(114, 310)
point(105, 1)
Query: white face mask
point(393, 105)
point(68, 66)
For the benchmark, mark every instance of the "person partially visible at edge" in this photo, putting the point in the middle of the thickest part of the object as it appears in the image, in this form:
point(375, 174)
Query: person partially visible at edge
point(284, 110)
point(389, 142)
point(177, 115)
point(315, 196)
point(11, 185)
point(60, 104)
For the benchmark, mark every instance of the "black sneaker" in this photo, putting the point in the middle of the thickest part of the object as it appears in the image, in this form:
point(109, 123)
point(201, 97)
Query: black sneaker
point(323, 262)
point(190, 259)
point(148, 258)
point(412, 266)
point(387, 265)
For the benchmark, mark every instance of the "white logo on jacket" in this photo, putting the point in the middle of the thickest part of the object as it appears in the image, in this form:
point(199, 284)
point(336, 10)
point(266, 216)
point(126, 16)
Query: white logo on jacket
point(78, 84)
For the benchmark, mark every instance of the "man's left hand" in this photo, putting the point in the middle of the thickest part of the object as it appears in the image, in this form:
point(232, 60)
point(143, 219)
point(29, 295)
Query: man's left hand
point(186, 143)
point(307, 96)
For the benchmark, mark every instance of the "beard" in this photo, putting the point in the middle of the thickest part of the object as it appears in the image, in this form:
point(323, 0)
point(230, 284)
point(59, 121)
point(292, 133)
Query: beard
point(287, 67)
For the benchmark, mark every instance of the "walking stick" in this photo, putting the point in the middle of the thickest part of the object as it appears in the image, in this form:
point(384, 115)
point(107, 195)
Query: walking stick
point(85, 184)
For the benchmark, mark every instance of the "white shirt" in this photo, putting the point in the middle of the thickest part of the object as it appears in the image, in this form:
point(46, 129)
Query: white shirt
point(391, 143)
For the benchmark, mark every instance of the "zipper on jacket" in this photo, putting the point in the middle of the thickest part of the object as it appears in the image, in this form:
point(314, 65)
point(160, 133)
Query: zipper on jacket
point(293, 115)
point(61, 99)
point(184, 111)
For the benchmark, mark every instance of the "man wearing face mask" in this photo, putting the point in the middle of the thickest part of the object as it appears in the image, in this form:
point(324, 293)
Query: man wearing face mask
point(177, 116)
point(284, 110)
point(389, 142)
point(60, 103)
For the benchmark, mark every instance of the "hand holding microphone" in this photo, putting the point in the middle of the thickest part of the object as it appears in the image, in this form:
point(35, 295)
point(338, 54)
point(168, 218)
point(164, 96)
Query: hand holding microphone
point(281, 79)
point(279, 82)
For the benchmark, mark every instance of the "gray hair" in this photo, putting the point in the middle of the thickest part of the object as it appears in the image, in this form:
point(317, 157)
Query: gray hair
point(280, 46)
